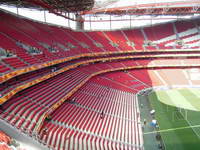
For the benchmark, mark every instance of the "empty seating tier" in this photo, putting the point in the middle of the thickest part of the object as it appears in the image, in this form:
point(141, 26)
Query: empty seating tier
point(68, 43)
point(95, 117)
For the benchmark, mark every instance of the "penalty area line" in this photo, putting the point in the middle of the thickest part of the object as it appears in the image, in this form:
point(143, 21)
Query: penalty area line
point(172, 129)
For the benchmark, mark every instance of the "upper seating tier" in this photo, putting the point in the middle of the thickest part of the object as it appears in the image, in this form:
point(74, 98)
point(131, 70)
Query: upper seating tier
point(69, 43)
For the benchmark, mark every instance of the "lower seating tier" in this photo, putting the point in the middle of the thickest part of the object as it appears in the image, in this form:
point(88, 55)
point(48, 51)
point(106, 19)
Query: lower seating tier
point(95, 117)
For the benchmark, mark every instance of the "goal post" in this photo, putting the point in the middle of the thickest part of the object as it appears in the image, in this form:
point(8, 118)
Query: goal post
point(183, 112)
point(179, 114)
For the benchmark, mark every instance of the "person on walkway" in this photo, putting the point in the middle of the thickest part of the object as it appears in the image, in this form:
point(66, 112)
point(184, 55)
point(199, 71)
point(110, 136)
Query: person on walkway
point(145, 122)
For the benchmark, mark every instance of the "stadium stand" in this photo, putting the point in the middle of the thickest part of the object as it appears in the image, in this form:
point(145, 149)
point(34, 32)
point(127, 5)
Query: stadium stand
point(4, 146)
point(4, 138)
point(4, 141)
point(52, 90)
point(110, 41)
point(4, 68)
point(14, 62)
point(98, 131)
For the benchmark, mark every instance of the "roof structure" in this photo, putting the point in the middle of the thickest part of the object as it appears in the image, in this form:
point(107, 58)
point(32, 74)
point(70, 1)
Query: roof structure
point(110, 7)
point(58, 7)
point(133, 7)
point(53, 5)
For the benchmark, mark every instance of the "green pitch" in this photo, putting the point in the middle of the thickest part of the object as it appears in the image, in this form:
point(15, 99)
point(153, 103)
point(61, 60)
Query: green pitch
point(178, 115)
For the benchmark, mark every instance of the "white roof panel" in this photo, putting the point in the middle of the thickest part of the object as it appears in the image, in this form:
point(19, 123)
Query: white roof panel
point(123, 3)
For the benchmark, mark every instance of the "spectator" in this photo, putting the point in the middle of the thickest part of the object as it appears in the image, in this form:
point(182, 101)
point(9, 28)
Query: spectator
point(53, 69)
point(102, 115)
point(45, 131)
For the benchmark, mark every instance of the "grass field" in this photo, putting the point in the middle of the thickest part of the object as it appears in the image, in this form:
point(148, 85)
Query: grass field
point(178, 115)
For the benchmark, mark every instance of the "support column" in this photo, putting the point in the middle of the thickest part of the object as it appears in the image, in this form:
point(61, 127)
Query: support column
point(79, 22)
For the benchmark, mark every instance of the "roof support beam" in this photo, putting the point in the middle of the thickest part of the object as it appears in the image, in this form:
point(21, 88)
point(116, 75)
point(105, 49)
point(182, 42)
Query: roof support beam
point(182, 8)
